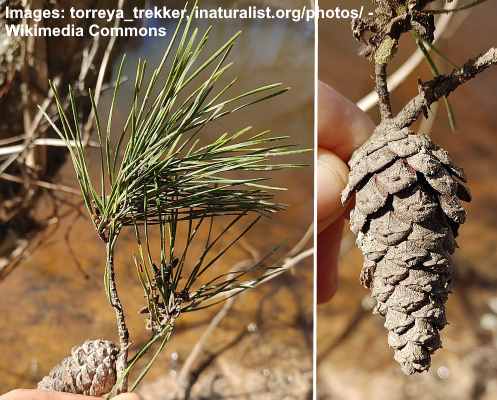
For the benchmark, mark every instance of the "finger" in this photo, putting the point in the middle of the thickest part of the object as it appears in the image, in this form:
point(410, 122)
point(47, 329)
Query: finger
point(32, 394)
point(127, 396)
point(342, 126)
point(332, 175)
point(328, 248)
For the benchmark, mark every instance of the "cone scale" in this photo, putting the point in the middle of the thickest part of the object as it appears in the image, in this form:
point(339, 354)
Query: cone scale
point(406, 217)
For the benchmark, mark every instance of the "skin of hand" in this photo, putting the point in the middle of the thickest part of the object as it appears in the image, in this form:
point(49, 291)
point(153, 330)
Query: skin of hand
point(342, 127)
point(28, 394)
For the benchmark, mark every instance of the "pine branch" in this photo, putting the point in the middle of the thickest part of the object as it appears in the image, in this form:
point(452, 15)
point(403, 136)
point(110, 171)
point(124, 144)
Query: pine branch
point(173, 284)
point(382, 90)
point(442, 86)
point(122, 329)
point(158, 152)
point(159, 172)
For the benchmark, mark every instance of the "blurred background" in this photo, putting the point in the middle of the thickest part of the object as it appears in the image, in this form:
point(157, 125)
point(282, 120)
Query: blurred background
point(51, 261)
point(354, 360)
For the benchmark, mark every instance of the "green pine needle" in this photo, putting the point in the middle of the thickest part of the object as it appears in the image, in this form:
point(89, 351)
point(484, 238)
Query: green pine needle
point(156, 170)
point(157, 153)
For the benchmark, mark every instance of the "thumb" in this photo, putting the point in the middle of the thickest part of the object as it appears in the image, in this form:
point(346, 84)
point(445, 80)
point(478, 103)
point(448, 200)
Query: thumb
point(332, 176)
point(127, 396)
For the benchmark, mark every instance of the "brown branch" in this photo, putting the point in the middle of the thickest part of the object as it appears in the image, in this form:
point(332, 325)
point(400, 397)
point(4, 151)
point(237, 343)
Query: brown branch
point(380, 72)
point(41, 183)
point(122, 361)
point(441, 86)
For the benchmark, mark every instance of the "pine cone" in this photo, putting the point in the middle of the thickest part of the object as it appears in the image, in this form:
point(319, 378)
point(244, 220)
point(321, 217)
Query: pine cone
point(89, 370)
point(406, 216)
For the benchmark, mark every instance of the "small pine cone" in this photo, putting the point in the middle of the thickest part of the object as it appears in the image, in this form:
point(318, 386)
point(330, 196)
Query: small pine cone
point(89, 370)
point(406, 216)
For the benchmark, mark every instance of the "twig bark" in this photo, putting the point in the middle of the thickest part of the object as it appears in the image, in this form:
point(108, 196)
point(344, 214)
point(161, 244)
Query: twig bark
point(300, 245)
point(34, 54)
point(442, 86)
point(42, 184)
point(401, 74)
point(122, 360)
point(30, 133)
point(52, 142)
point(380, 72)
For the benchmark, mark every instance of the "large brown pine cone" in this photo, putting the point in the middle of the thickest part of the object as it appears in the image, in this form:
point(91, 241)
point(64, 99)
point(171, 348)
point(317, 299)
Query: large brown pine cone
point(89, 370)
point(406, 216)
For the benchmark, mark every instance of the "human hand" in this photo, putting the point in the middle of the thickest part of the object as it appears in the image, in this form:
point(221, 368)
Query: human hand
point(28, 394)
point(342, 127)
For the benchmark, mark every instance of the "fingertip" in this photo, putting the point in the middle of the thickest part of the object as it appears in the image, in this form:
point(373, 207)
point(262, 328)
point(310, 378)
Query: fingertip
point(127, 396)
point(332, 176)
point(342, 126)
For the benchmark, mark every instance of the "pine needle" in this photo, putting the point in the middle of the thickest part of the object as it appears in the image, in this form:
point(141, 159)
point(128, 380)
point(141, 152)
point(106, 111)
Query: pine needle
point(157, 152)
point(160, 172)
